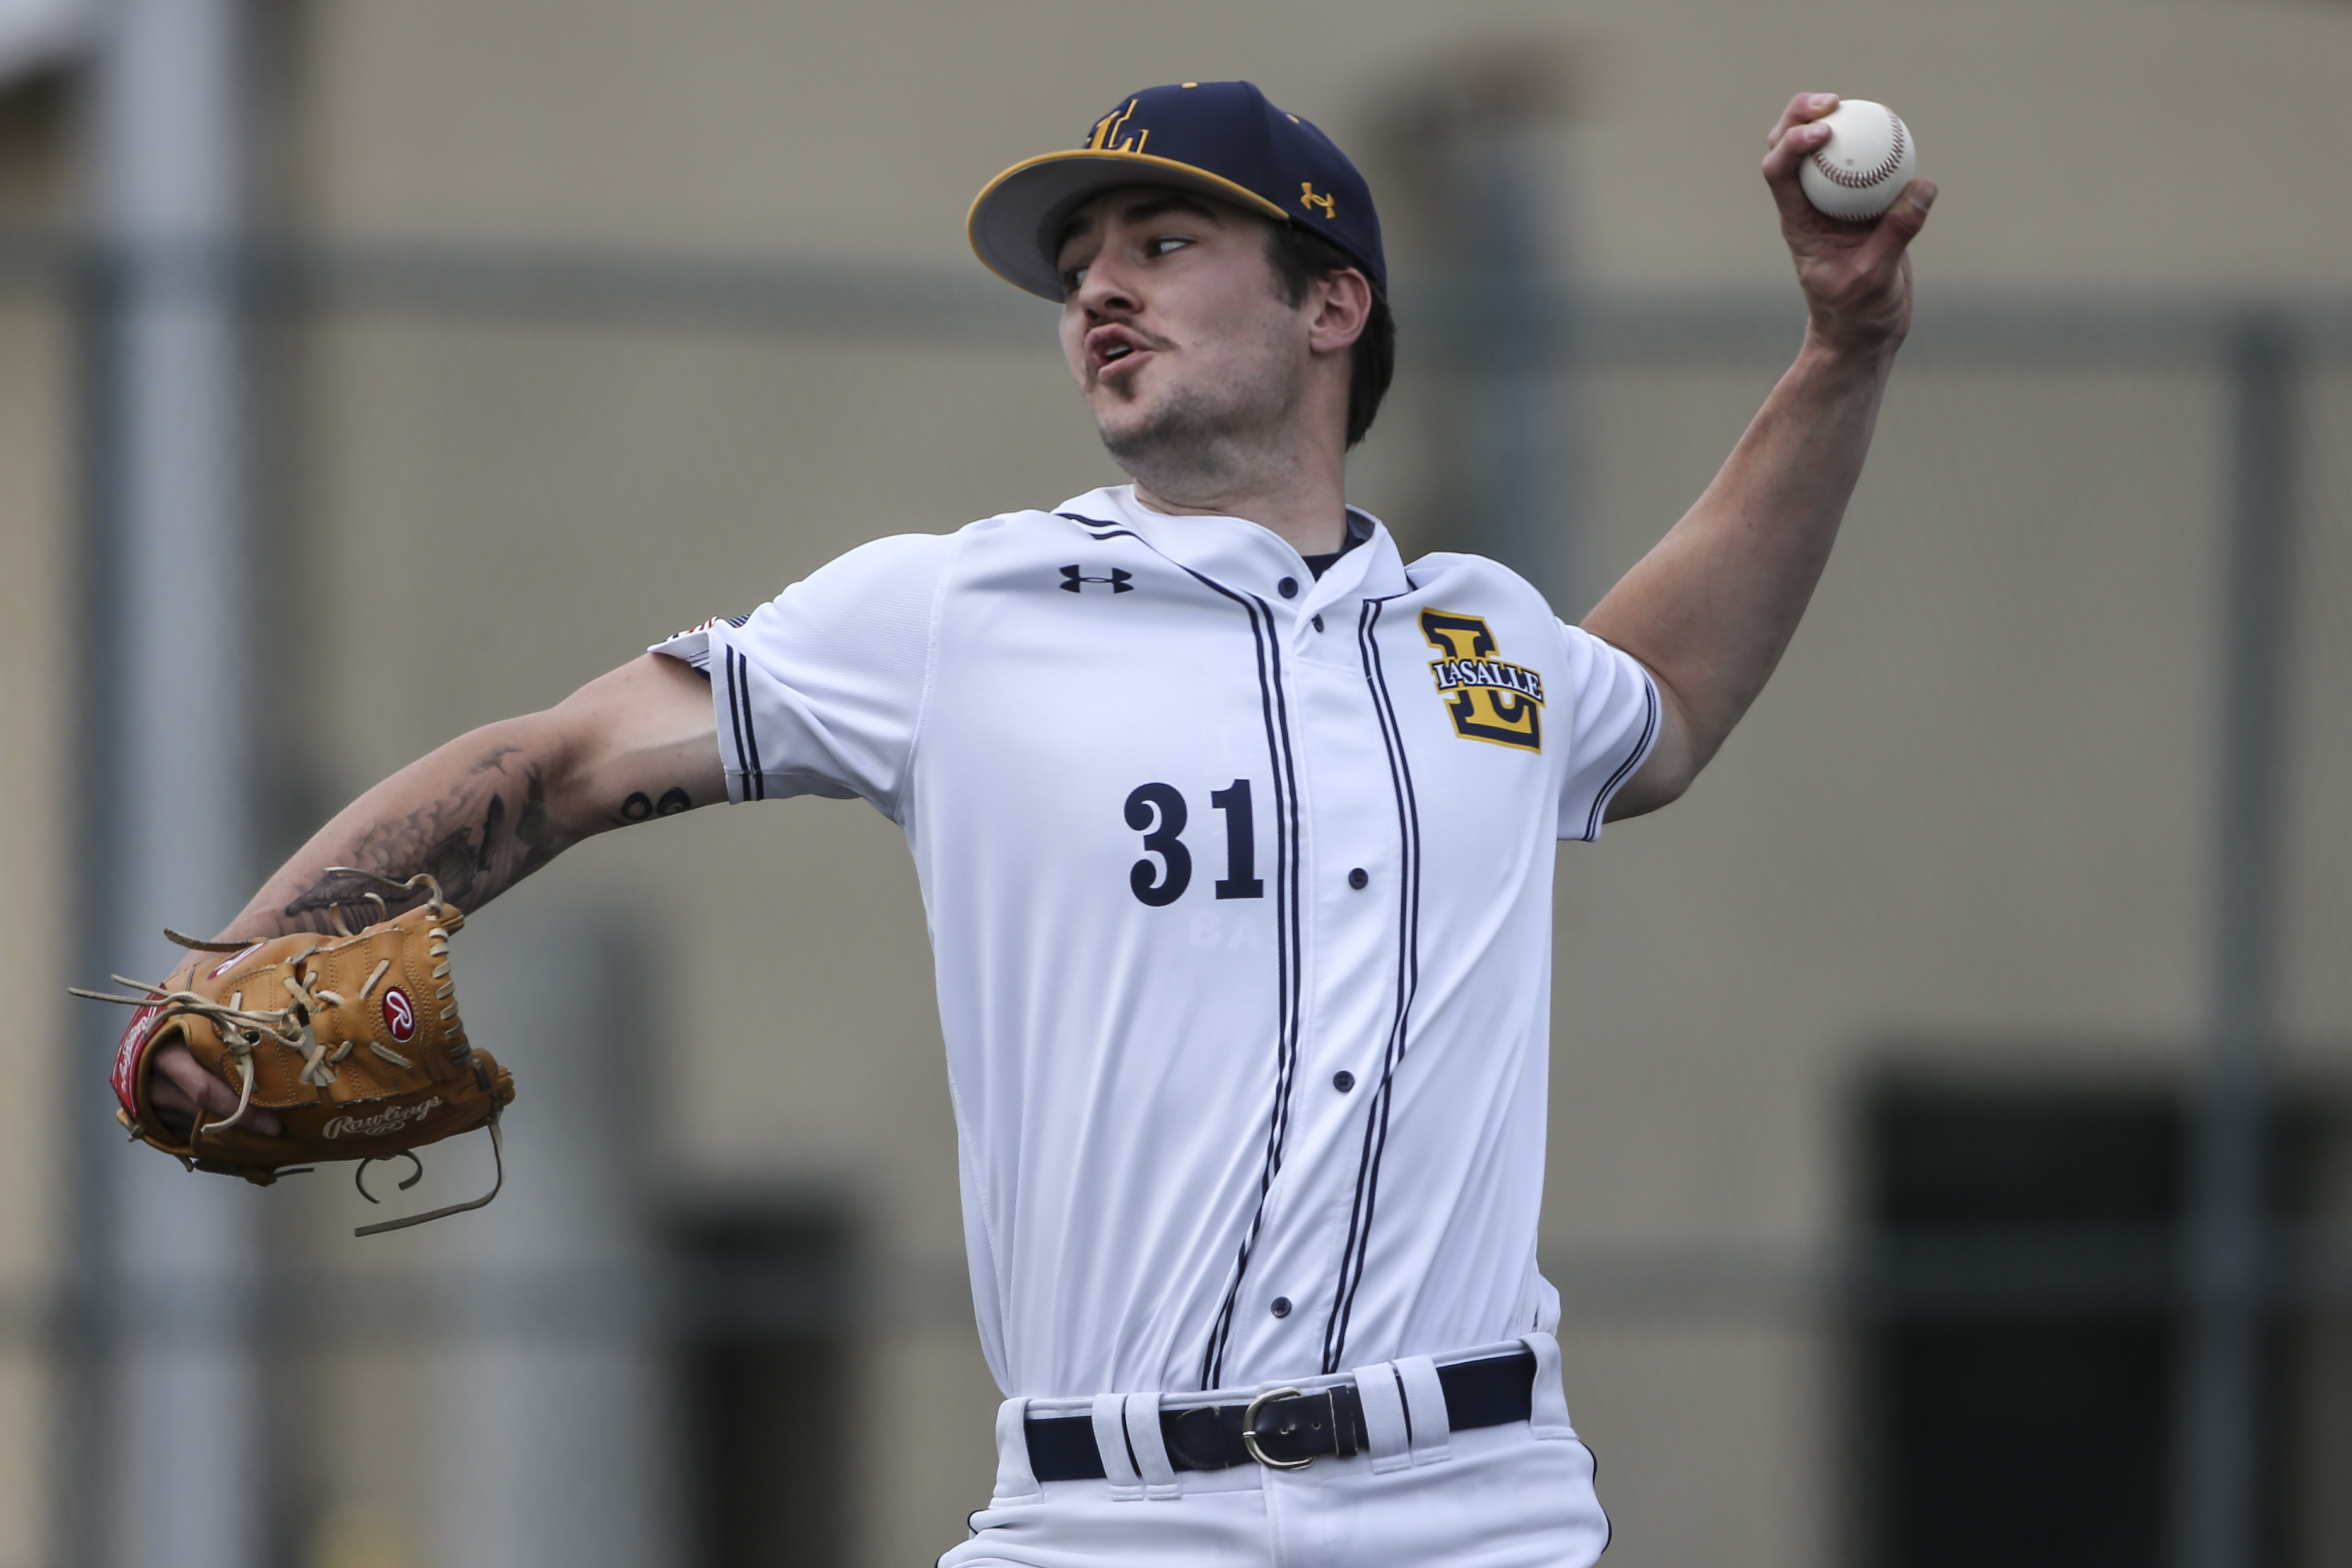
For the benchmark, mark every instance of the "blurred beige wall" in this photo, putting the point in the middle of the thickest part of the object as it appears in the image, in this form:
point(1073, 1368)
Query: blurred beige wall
point(2103, 143)
point(1968, 823)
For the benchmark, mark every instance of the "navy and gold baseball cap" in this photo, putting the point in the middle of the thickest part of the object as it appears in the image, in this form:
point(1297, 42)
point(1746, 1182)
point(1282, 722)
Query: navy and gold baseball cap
point(1221, 138)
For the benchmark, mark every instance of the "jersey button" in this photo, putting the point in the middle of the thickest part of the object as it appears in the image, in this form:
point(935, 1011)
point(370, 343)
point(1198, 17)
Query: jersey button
point(1360, 879)
point(1318, 622)
point(1287, 587)
point(1343, 1081)
point(1282, 1306)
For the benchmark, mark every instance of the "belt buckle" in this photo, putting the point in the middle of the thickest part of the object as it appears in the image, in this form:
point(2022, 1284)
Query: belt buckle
point(1249, 1430)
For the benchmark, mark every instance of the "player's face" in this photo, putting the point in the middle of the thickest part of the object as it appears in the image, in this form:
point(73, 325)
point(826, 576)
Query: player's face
point(1174, 324)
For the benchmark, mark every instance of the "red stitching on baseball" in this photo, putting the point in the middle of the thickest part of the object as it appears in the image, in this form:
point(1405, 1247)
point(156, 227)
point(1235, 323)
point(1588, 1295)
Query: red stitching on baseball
point(1863, 179)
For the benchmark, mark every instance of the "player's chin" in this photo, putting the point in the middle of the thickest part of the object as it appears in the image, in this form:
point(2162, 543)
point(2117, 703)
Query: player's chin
point(1119, 410)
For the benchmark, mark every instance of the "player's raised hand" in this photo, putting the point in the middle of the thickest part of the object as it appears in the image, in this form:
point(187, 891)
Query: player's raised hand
point(1856, 276)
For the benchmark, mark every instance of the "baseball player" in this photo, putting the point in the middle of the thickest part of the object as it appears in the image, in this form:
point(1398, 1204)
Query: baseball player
point(1235, 835)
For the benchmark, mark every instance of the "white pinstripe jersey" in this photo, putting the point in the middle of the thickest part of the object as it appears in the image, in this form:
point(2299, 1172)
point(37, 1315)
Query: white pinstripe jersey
point(1239, 887)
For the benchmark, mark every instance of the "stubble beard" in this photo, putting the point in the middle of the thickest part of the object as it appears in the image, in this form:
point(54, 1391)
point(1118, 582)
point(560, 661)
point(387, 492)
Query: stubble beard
point(1203, 441)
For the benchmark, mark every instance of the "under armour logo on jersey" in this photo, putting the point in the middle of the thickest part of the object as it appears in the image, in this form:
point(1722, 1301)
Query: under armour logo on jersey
point(1489, 700)
point(1075, 580)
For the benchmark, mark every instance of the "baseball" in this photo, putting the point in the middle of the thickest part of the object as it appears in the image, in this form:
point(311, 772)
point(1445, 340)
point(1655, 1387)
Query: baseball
point(1863, 166)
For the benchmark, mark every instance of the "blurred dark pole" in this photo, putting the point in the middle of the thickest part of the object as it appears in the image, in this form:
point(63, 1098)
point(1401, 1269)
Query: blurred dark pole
point(1512, 463)
point(2218, 1418)
point(1486, 120)
point(163, 1467)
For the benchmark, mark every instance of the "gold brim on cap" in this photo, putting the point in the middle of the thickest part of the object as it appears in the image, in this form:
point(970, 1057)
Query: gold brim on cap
point(1011, 220)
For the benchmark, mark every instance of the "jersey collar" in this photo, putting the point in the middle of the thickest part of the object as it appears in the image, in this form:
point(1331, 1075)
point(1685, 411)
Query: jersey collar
point(1247, 556)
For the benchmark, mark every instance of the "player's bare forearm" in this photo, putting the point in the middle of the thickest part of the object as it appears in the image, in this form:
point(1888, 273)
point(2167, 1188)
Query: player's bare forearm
point(493, 806)
point(1713, 607)
point(474, 814)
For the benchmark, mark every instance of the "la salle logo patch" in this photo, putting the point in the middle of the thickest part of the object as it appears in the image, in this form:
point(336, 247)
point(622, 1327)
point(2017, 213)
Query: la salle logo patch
point(1488, 698)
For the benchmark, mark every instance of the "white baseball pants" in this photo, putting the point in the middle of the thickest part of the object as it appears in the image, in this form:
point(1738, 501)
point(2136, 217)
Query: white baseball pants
point(1515, 1496)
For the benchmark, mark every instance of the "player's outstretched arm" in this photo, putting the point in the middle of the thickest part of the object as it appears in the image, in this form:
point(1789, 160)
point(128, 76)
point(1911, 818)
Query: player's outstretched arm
point(488, 810)
point(1712, 608)
point(493, 806)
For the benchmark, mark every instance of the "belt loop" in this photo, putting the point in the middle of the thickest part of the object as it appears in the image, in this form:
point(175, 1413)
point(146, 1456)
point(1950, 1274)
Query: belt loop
point(1110, 1437)
point(1424, 1408)
point(1386, 1435)
point(1016, 1480)
point(1546, 1306)
point(1548, 1401)
point(1140, 1416)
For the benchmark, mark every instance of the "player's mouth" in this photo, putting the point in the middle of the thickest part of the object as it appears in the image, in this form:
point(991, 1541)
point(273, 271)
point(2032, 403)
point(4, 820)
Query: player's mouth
point(1115, 351)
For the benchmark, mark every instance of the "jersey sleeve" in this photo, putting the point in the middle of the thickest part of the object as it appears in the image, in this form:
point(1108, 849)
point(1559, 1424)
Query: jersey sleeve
point(820, 691)
point(1612, 724)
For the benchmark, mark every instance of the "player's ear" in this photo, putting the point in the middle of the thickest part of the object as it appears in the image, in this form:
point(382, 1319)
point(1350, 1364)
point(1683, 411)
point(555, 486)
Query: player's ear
point(1342, 305)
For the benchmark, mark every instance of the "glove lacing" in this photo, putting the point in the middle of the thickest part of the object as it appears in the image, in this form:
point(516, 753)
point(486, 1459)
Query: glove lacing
point(241, 1030)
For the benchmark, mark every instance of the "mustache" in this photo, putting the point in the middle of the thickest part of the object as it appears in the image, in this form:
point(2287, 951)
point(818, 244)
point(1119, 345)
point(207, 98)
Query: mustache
point(1148, 342)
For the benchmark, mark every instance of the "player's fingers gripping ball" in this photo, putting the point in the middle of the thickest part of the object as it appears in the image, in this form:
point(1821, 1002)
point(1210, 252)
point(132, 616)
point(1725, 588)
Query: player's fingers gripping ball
point(1870, 155)
point(353, 1042)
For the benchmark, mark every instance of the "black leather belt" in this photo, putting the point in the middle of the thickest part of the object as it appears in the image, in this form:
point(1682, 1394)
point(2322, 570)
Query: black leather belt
point(1289, 1431)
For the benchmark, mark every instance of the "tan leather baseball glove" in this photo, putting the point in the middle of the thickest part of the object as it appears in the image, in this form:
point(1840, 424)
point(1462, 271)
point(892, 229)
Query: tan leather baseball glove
point(353, 1043)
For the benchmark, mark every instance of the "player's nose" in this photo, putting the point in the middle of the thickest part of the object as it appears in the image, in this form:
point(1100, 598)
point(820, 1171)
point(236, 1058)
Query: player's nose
point(1106, 290)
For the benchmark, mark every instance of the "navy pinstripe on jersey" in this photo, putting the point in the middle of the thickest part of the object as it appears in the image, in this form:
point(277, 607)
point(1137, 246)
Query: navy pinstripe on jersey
point(1408, 978)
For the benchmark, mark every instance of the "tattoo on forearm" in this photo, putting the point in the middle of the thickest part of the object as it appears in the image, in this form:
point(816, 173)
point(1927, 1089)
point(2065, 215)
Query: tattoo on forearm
point(641, 806)
point(489, 831)
point(462, 840)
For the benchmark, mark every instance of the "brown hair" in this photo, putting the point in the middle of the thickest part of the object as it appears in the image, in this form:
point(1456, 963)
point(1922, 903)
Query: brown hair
point(1300, 258)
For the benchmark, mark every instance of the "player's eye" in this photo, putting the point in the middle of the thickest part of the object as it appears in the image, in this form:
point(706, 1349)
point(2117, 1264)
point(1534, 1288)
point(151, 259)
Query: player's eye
point(1164, 243)
point(1071, 277)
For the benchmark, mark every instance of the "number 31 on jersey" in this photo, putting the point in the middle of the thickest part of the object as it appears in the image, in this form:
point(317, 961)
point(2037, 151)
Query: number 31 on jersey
point(1158, 812)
